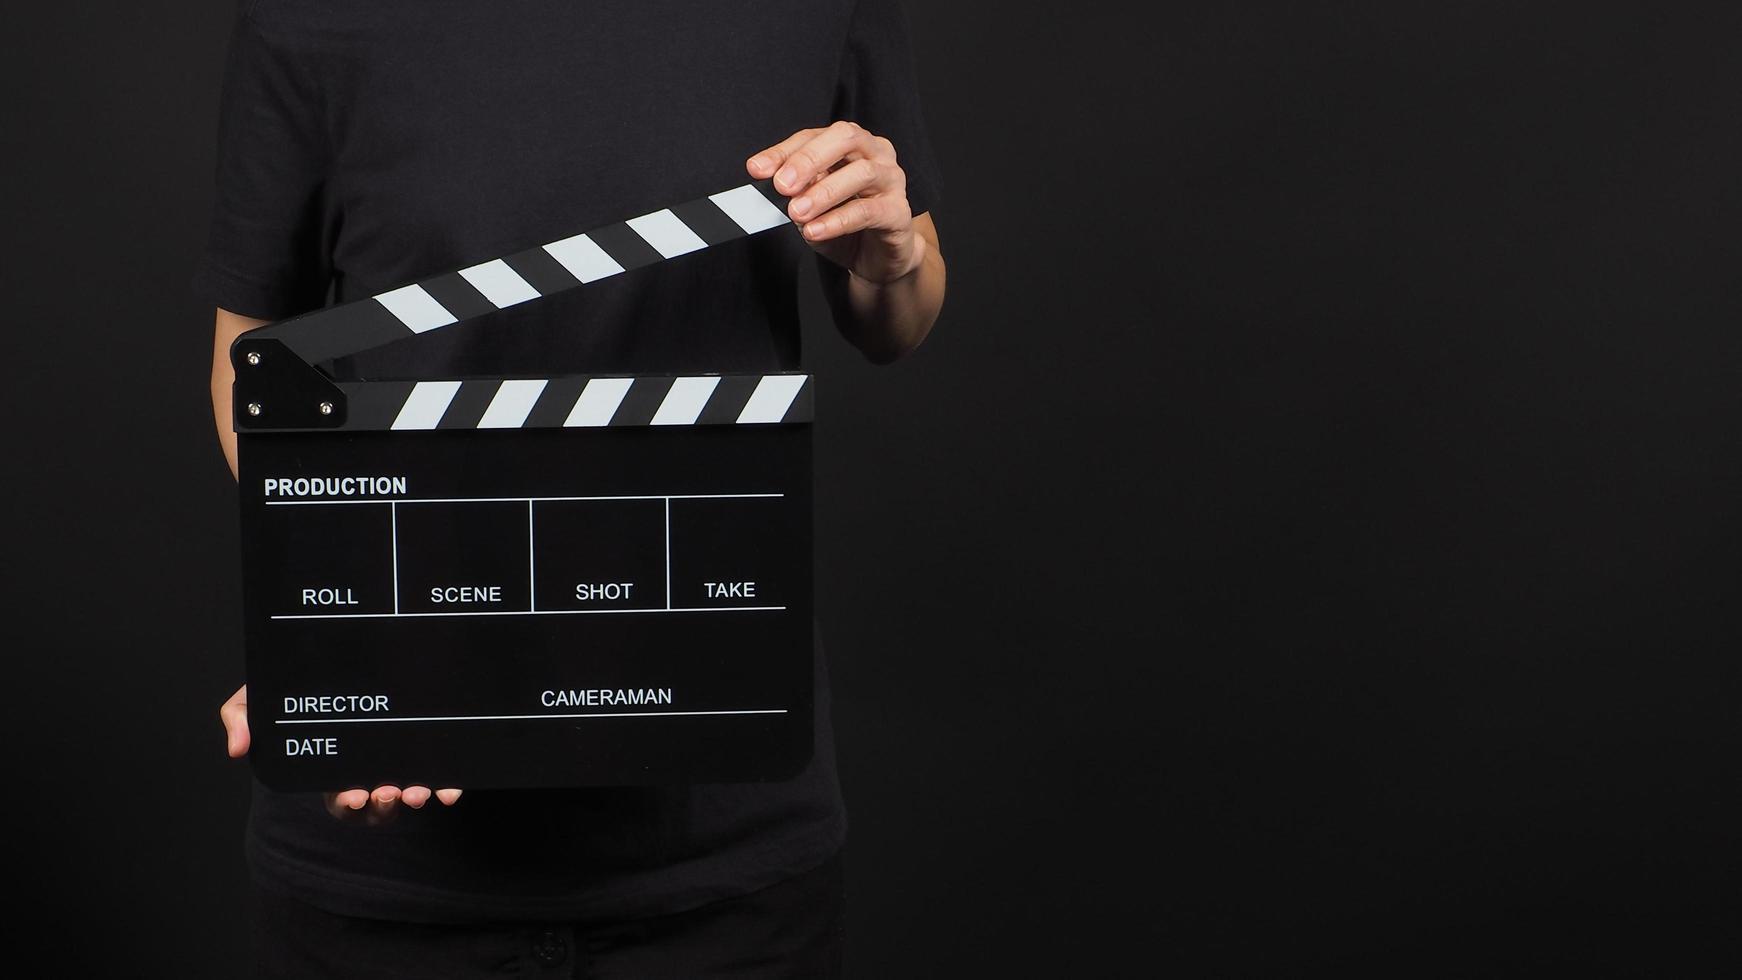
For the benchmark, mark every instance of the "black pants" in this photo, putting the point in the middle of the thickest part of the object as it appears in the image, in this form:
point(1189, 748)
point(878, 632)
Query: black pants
point(792, 929)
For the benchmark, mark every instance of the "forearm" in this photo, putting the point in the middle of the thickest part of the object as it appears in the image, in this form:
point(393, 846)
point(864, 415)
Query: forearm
point(882, 269)
point(887, 320)
point(227, 327)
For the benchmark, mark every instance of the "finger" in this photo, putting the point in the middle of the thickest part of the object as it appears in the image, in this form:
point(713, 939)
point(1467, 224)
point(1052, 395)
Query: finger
point(234, 714)
point(856, 216)
point(415, 796)
point(448, 796)
point(352, 799)
point(383, 804)
point(842, 141)
point(859, 177)
point(765, 163)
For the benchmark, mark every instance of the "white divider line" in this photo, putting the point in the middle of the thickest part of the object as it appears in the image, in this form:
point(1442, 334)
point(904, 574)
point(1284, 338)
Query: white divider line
point(531, 563)
point(655, 610)
point(584, 714)
point(516, 500)
point(395, 516)
point(668, 553)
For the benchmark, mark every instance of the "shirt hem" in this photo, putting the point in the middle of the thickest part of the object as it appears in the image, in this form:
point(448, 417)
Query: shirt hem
point(364, 896)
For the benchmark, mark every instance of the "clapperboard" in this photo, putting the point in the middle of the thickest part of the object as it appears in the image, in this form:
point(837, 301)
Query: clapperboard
point(524, 582)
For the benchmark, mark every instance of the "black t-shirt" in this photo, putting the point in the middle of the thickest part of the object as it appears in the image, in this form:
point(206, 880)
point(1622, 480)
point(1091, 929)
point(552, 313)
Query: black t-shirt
point(363, 146)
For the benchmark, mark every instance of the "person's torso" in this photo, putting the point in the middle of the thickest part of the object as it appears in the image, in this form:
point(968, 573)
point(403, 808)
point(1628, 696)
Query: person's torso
point(463, 131)
point(459, 131)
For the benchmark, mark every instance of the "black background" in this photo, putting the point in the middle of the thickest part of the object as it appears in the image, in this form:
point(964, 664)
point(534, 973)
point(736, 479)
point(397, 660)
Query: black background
point(1307, 543)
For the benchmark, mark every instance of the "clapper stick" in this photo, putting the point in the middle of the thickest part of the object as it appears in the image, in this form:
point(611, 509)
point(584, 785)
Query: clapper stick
point(276, 392)
point(522, 582)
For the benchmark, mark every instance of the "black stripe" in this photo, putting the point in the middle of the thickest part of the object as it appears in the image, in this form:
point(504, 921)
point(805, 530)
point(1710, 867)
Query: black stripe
point(709, 223)
point(374, 404)
point(365, 324)
point(642, 401)
point(469, 404)
point(541, 271)
point(338, 330)
point(458, 296)
point(728, 399)
point(803, 407)
point(555, 403)
point(630, 250)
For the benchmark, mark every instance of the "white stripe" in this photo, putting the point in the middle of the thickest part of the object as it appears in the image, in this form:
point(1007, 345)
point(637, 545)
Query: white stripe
point(684, 402)
point(598, 402)
point(513, 402)
point(749, 208)
point(425, 406)
point(499, 283)
point(668, 235)
point(415, 308)
point(772, 397)
point(584, 259)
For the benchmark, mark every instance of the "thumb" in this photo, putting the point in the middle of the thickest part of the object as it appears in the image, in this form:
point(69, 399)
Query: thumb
point(235, 716)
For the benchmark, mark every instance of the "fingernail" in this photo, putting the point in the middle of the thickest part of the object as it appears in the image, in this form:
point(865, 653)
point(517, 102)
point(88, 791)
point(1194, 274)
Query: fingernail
point(813, 229)
point(758, 162)
point(801, 207)
point(788, 177)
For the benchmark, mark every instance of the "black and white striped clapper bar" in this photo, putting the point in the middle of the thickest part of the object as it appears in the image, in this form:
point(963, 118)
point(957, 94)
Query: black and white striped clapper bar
point(519, 582)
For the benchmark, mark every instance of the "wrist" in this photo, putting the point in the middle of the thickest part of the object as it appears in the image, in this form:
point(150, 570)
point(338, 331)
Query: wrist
point(916, 261)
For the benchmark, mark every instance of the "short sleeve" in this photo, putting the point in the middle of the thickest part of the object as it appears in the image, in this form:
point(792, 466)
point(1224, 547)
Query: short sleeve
point(879, 90)
point(265, 256)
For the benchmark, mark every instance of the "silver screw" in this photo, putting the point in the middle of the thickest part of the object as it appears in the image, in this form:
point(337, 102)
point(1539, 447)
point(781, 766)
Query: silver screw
point(253, 358)
point(326, 408)
point(253, 408)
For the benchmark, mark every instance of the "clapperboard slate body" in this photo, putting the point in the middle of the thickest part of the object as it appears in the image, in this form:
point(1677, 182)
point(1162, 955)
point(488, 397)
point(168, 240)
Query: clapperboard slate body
point(519, 582)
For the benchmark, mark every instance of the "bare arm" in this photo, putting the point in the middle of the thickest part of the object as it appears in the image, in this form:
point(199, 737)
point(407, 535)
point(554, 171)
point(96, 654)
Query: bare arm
point(884, 277)
point(229, 326)
point(234, 712)
point(886, 320)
